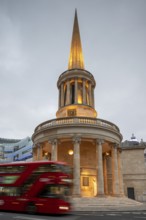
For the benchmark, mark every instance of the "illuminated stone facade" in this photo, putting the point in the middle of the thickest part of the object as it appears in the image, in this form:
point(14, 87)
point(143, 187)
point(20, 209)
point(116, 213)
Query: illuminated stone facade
point(91, 146)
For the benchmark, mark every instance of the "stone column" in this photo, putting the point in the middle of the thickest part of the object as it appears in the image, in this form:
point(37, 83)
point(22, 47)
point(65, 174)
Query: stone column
point(39, 151)
point(93, 104)
point(54, 149)
point(68, 93)
point(34, 149)
point(120, 173)
point(90, 94)
point(105, 174)
point(115, 174)
point(62, 94)
point(84, 91)
point(100, 180)
point(59, 97)
point(76, 169)
point(76, 91)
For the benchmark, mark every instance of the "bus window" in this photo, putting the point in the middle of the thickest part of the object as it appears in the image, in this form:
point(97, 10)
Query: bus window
point(55, 191)
point(12, 169)
point(10, 191)
point(53, 168)
point(43, 169)
point(8, 179)
point(2, 169)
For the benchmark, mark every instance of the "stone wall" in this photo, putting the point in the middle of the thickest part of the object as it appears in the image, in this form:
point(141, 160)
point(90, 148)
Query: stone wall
point(134, 172)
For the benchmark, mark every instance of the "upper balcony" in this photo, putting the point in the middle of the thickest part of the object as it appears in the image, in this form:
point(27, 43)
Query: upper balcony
point(69, 121)
point(85, 127)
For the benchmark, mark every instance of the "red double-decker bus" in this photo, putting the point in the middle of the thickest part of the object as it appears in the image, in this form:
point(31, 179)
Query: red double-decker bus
point(36, 187)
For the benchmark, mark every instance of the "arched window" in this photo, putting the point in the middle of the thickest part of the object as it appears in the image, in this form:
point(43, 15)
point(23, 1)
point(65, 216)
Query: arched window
point(80, 93)
point(87, 94)
point(72, 93)
point(65, 93)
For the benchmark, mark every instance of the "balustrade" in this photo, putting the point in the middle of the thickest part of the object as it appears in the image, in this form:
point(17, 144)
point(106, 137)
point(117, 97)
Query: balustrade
point(77, 120)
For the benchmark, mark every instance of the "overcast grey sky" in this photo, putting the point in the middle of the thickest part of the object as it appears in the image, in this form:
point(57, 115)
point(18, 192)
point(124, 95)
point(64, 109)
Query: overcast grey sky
point(35, 39)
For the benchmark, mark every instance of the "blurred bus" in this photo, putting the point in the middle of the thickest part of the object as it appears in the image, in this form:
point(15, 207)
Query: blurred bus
point(36, 187)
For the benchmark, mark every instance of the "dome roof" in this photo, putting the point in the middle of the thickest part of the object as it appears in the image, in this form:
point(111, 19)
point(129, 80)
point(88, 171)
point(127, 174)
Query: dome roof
point(133, 138)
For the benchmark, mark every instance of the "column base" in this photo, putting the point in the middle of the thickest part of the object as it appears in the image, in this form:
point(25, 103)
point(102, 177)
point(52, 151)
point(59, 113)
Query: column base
point(117, 195)
point(101, 195)
point(76, 196)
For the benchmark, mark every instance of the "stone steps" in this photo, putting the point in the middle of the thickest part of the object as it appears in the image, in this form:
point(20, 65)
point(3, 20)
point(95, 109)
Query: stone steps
point(105, 204)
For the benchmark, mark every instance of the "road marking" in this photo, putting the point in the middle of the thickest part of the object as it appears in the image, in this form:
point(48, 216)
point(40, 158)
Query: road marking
point(94, 214)
point(99, 215)
point(139, 217)
point(136, 213)
point(126, 212)
point(113, 214)
point(28, 218)
point(34, 218)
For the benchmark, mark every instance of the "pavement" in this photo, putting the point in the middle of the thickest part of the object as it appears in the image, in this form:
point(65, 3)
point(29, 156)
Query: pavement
point(107, 204)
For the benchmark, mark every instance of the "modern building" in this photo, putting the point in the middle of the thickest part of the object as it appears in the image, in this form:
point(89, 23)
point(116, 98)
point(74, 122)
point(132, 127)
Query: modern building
point(134, 168)
point(1, 152)
point(12, 150)
point(90, 145)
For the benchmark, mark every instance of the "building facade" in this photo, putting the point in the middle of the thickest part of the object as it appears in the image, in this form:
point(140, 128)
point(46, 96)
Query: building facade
point(90, 145)
point(12, 150)
point(134, 169)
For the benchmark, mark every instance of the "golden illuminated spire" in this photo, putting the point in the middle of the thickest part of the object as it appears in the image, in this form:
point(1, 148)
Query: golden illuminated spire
point(76, 59)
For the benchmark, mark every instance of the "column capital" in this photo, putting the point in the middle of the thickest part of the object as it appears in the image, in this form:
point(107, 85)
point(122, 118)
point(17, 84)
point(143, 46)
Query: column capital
point(53, 141)
point(99, 141)
point(116, 145)
point(34, 146)
point(76, 140)
point(119, 150)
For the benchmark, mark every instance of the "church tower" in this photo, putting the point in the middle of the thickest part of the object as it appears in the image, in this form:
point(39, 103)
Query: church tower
point(76, 85)
point(90, 145)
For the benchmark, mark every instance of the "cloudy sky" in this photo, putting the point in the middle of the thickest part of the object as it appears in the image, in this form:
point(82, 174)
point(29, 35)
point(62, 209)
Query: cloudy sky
point(35, 39)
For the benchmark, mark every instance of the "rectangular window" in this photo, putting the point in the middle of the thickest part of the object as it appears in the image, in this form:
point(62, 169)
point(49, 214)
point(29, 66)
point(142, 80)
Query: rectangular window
point(12, 169)
point(85, 181)
point(8, 179)
point(10, 191)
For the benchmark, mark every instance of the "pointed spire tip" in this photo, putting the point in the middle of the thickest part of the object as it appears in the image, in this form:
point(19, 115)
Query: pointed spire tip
point(76, 59)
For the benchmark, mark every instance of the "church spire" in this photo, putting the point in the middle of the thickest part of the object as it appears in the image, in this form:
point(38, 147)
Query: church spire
point(76, 59)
